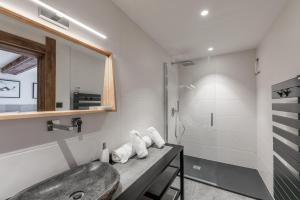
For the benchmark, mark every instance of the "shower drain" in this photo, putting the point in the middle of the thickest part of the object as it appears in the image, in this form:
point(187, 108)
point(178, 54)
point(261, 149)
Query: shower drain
point(196, 167)
point(77, 195)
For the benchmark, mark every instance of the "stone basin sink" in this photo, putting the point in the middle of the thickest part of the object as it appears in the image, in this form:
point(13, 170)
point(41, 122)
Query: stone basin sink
point(92, 181)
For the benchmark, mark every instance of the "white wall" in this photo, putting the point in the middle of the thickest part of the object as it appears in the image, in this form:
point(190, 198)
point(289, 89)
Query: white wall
point(85, 65)
point(23, 161)
point(27, 79)
point(224, 85)
point(73, 65)
point(63, 83)
point(279, 61)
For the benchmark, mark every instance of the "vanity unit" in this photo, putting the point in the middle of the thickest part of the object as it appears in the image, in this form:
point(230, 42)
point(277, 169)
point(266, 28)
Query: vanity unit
point(138, 179)
point(152, 178)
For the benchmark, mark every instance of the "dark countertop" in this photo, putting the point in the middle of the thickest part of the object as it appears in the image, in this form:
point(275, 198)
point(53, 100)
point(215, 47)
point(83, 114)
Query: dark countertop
point(137, 175)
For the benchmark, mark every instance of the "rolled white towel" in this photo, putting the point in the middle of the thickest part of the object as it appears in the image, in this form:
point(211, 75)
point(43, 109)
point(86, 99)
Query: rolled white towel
point(123, 153)
point(147, 140)
point(156, 137)
point(138, 144)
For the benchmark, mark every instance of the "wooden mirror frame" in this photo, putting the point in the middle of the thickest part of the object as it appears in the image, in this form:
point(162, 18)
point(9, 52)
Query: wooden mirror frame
point(48, 103)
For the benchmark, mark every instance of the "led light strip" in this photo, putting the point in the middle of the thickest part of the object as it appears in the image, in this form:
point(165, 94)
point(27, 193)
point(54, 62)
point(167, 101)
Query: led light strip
point(61, 14)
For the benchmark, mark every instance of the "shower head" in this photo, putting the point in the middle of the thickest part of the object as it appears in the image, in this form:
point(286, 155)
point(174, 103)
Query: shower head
point(184, 63)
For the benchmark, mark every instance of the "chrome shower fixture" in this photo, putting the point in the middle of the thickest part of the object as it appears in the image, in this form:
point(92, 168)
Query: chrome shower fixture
point(175, 110)
point(190, 86)
point(183, 63)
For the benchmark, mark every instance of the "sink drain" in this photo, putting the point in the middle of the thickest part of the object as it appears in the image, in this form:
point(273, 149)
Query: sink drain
point(77, 195)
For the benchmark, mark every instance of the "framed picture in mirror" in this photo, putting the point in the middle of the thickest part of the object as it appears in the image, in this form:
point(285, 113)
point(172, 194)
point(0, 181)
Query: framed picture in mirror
point(9, 88)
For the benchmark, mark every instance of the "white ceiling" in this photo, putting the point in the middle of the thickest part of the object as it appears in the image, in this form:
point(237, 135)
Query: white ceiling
point(176, 25)
point(7, 57)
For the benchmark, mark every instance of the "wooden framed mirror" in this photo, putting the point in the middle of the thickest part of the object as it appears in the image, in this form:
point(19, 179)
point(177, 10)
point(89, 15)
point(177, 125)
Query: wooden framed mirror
point(45, 72)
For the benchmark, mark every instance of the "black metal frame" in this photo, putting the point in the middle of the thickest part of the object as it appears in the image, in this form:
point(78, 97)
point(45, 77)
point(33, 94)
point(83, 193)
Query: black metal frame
point(163, 184)
point(138, 189)
point(286, 183)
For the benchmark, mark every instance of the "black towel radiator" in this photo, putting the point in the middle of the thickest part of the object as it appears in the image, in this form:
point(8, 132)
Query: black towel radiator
point(83, 101)
point(286, 147)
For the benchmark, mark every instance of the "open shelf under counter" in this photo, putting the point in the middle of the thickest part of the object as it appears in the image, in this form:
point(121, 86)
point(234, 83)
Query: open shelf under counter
point(162, 183)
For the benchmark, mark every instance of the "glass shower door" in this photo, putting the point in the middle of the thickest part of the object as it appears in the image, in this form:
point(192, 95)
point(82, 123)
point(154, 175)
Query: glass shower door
point(197, 97)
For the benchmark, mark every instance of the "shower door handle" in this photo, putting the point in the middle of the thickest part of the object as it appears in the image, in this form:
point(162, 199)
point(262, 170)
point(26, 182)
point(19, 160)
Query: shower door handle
point(211, 119)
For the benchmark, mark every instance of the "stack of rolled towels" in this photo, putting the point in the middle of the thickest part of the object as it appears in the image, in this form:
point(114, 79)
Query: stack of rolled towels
point(138, 145)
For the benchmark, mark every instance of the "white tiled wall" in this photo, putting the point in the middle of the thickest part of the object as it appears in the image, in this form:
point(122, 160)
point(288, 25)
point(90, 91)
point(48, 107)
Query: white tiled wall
point(225, 86)
point(139, 76)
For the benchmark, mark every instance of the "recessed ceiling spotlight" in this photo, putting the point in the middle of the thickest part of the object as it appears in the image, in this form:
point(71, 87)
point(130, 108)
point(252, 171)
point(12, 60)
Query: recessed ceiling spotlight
point(204, 12)
point(210, 49)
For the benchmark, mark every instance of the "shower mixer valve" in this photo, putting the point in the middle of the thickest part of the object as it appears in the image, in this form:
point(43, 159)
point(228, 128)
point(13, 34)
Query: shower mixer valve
point(175, 110)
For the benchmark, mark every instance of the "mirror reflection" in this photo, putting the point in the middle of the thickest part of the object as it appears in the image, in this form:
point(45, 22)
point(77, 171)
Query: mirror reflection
point(85, 69)
point(79, 73)
point(18, 82)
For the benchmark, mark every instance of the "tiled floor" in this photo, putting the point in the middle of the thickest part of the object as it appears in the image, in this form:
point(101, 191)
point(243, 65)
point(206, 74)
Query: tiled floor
point(198, 191)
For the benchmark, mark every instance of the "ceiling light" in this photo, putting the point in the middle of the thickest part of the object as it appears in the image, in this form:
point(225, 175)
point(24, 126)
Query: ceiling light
point(204, 12)
point(210, 49)
point(61, 14)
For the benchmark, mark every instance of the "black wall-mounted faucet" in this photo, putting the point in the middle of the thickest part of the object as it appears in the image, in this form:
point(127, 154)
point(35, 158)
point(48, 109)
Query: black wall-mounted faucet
point(55, 124)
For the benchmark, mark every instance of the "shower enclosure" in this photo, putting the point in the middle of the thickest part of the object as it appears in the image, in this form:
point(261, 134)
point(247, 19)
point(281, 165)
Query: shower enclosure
point(215, 119)
point(217, 109)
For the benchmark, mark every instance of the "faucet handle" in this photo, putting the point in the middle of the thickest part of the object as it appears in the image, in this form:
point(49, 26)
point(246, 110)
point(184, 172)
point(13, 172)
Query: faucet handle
point(77, 122)
point(50, 125)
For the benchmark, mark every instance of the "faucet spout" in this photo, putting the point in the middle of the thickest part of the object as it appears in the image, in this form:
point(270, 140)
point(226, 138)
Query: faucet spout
point(55, 125)
point(63, 127)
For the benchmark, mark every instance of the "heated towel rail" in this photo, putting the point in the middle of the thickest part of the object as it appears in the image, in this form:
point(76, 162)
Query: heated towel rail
point(286, 139)
point(83, 101)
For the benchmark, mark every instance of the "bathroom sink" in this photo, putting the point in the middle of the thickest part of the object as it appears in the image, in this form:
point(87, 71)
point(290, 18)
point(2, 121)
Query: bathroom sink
point(92, 181)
